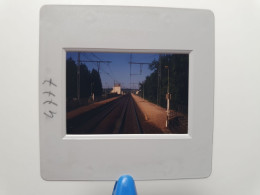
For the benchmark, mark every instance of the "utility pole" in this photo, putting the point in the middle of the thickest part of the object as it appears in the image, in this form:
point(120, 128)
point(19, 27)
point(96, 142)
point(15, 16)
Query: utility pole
point(98, 65)
point(132, 74)
point(78, 72)
point(143, 89)
point(106, 86)
point(79, 61)
point(131, 56)
point(168, 98)
point(78, 77)
point(159, 81)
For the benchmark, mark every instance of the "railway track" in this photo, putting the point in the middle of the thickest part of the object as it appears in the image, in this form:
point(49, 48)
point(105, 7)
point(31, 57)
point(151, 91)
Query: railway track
point(129, 120)
point(76, 125)
point(117, 117)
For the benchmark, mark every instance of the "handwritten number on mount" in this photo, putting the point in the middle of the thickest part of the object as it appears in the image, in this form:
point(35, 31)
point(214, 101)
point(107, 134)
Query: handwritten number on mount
point(50, 83)
point(50, 115)
point(49, 93)
point(50, 102)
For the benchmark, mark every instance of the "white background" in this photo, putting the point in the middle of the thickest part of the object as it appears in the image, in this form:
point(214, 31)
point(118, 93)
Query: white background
point(236, 147)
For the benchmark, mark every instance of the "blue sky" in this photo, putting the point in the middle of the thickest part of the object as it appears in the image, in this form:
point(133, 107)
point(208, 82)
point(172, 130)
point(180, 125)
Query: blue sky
point(119, 69)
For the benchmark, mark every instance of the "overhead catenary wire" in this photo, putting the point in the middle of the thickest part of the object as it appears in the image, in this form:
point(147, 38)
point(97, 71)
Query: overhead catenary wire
point(98, 63)
point(108, 64)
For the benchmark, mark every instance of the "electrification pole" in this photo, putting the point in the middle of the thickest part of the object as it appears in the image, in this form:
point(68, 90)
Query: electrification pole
point(143, 89)
point(78, 77)
point(168, 98)
point(135, 74)
point(159, 70)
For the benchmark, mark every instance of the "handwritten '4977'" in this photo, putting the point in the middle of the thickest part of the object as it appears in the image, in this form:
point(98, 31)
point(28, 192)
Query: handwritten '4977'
point(49, 97)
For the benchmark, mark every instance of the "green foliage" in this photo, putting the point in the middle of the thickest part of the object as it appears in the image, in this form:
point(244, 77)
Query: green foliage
point(150, 88)
point(90, 82)
point(85, 81)
point(155, 90)
point(71, 79)
point(154, 65)
point(96, 83)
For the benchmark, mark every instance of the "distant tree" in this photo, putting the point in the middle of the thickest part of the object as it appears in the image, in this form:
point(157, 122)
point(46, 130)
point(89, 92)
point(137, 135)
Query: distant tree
point(180, 79)
point(96, 83)
point(178, 65)
point(154, 65)
point(71, 79)
point(85, 81)
point(150, 87)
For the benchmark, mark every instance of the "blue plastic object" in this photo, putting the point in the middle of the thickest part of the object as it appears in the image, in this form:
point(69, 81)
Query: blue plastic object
point(125, 185)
